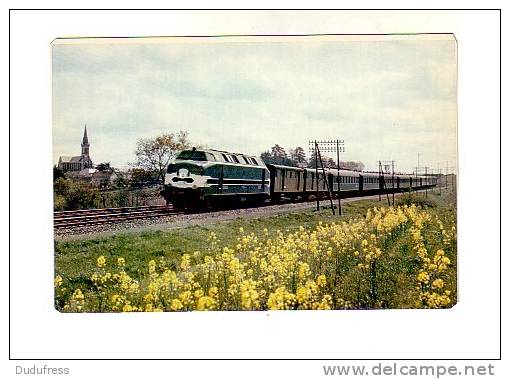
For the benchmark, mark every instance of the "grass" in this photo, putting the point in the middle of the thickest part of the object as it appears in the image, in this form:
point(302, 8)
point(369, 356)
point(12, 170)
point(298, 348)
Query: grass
point(75, 260)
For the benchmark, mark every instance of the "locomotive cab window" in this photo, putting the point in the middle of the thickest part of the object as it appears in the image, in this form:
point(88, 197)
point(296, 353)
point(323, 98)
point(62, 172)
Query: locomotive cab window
point(192, 155)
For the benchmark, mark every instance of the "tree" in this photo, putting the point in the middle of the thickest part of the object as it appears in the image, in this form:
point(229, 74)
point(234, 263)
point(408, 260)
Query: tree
point(298, 157)
point(140, 177)
point(277, 155)
point(266, 157)
point(57, 173)
point(73, 194)
point(120, 182)
point(353, 165)
point(105, 166)
point(331, 163)
point(326, 161)
point(154, 154)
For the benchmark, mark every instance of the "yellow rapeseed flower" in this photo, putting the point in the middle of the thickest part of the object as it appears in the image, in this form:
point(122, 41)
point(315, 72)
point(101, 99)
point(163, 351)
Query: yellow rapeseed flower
point(101, 261)
point(57, 281)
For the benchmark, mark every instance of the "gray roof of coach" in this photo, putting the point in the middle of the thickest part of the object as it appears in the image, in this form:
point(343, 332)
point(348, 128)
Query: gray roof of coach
point(286, 167)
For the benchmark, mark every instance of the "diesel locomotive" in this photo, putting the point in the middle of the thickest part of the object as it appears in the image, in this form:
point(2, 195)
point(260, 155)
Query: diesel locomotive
point(207, 178)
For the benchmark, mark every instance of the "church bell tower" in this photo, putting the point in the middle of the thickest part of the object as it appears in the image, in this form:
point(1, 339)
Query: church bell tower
point(85, 143)
point(85, 158)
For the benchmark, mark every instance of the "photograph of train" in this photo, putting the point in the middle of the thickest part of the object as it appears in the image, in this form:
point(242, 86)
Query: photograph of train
point(255, 173)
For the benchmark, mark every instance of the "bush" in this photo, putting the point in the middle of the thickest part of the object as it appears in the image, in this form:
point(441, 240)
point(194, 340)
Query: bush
point(418, 200)
point(72, 194)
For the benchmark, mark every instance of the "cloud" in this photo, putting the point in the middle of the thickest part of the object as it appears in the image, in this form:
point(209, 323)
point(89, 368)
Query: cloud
point(387, 99)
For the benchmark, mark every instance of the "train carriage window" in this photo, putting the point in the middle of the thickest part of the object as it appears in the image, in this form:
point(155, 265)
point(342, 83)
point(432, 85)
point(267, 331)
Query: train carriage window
point(210, 157)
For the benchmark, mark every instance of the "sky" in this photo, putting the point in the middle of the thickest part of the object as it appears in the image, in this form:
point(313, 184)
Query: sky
point(389, 98)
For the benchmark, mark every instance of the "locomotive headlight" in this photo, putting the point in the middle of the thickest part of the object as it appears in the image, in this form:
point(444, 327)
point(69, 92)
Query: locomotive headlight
point(183, 173)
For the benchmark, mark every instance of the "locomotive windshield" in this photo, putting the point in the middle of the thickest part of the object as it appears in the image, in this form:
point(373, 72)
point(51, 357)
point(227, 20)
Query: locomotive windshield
point(195, 155)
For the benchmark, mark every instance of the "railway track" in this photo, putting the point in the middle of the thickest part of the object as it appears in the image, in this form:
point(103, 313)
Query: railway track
point(86, 217)
point(91, 217)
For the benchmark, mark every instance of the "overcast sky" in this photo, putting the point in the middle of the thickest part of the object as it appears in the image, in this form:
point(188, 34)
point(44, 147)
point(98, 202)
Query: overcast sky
point(388, 99)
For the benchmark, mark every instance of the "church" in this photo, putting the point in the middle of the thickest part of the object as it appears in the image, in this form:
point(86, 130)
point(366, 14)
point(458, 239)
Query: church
point(80, 162)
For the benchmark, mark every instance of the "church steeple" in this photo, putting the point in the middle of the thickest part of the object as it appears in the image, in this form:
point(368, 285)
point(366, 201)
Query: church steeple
point(85, 138)
point(85, 158)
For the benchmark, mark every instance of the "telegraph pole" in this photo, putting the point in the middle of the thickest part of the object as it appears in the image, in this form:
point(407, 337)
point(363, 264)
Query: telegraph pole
point(426, 184)
point(416, 174)
point(393, 182)
point(338, 177)
point(317, 174)
point(326, 180)
point(329, 146)
point(385, 168)
point(382, 183)
point(440, 184)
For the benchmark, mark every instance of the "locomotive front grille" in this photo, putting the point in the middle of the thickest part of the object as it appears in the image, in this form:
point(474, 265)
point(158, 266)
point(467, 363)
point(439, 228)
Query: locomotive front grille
point(176, 179)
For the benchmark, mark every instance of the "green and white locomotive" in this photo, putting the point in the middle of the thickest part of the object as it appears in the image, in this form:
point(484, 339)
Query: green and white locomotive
point(201, 178)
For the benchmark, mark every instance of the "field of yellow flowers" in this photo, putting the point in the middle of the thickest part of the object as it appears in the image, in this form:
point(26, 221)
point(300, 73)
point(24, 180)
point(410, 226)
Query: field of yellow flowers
point(391, 257)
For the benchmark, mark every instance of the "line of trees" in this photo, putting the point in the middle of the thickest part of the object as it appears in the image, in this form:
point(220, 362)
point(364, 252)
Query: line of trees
point(297, 158)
